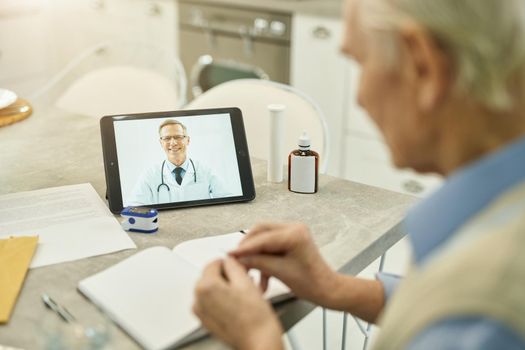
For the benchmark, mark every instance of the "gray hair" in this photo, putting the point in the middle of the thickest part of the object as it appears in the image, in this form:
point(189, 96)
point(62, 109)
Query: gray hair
point(172, 122)
point(485, 39)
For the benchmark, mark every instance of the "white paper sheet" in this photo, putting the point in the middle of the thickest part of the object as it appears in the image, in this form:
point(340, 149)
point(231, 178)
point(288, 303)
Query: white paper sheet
point(72, 223)
point(200, 252)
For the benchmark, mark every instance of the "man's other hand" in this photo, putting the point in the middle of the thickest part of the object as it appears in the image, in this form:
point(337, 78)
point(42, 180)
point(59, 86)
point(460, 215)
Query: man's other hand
point(232, 307)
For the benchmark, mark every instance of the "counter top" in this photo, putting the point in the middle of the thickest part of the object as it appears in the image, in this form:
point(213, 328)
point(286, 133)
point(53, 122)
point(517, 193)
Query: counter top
point(326, 8)
point(353, 224)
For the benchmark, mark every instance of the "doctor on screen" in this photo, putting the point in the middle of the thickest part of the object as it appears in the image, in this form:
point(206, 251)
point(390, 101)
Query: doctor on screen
point(177, 178)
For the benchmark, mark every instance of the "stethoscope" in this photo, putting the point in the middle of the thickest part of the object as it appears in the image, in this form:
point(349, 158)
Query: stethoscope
point(162, 183)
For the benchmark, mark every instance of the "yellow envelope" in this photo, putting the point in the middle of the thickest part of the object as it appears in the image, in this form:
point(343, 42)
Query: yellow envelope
point(15, 256)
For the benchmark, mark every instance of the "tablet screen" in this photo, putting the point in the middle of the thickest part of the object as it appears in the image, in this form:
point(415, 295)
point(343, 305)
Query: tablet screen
point(176, 159)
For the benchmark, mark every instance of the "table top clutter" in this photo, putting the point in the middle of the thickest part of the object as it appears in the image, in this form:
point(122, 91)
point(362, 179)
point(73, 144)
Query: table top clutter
point(353, 224)
point(13, 108)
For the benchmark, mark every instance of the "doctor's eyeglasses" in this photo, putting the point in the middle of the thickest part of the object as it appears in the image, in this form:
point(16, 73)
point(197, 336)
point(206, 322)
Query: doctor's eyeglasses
point(177, 138)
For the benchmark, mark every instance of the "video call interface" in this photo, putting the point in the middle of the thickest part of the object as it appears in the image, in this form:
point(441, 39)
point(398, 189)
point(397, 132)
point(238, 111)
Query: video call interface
point(176, 164)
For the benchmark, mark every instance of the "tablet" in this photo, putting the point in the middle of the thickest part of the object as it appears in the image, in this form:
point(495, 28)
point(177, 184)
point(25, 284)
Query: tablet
point(176, 159)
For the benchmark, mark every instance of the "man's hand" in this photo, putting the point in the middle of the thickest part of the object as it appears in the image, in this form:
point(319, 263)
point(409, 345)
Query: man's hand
point(288, 252)
point(231, 306)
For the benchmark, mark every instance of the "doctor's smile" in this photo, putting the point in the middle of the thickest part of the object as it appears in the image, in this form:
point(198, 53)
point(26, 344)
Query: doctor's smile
point(174, 141)
point(175, 149)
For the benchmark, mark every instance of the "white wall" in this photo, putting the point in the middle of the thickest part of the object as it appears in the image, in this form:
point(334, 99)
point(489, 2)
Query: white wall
point(39, 37)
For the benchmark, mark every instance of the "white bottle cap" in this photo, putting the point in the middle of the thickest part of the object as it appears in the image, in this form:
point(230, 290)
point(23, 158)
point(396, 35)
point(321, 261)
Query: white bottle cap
point(275, 107)
point(304, 141)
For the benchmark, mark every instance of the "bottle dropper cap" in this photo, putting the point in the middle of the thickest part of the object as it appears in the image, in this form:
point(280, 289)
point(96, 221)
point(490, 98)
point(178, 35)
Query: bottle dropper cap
point(304, 141)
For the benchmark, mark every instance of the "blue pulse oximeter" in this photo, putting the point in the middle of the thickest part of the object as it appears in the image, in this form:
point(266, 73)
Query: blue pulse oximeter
point(137, 219)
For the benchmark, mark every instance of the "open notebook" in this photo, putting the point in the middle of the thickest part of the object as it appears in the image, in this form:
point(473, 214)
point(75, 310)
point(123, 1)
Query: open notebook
point(150, 294)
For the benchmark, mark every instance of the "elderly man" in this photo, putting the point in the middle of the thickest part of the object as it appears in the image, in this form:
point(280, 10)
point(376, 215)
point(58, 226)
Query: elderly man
point(444, 80)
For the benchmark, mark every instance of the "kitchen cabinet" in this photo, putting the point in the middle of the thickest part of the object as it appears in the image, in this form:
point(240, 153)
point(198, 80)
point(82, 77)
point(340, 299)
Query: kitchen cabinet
point(358, 152)
point(366, 157)
point(316, 66)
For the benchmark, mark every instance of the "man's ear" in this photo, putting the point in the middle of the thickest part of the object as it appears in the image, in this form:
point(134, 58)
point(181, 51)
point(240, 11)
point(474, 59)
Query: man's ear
point(427, 65)
point(188, 138)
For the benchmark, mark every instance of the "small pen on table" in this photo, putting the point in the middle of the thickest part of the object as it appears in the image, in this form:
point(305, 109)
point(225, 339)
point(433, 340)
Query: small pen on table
point(60, 310)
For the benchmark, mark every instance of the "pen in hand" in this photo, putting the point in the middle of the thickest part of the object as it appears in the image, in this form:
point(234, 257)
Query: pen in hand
point(60, 310)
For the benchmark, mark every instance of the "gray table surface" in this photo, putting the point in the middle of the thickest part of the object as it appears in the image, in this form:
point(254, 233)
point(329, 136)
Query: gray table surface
point(325, 8)
point(353, 224)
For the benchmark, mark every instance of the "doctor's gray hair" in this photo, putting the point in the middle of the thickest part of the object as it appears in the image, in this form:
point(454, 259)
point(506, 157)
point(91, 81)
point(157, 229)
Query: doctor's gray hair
point(484, 38)
point(173, 122)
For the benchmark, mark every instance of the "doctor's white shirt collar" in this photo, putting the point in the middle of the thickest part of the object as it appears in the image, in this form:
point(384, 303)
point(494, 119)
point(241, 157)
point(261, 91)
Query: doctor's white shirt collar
point(172, 166)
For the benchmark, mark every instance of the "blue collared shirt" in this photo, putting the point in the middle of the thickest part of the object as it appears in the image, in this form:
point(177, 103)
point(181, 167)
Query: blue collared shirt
point(184, 166)
point(436, 219)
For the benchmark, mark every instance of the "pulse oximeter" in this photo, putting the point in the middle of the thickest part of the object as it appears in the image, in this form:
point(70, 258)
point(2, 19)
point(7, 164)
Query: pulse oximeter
point(137, 219)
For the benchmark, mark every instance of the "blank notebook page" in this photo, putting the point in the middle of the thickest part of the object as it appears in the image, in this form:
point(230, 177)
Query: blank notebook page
point(158, 285)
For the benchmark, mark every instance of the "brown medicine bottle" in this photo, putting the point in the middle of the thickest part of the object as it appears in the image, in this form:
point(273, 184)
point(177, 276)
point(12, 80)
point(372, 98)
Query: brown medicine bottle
point(303, 167)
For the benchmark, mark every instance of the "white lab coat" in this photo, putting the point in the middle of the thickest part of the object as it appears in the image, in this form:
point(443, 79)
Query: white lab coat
point(147, 191)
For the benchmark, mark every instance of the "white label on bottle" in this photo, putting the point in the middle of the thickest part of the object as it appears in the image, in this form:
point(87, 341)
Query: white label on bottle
point(302, 174)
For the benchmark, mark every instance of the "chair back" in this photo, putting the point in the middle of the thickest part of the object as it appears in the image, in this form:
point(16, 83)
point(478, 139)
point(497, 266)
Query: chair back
point(252, 97)
point(209, 72)
point(116, 78)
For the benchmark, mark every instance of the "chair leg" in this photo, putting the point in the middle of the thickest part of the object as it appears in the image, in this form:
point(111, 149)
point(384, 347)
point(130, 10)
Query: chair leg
point(343, 340)
point(382, 262)
point(369, 326)
point(367, 337)
point(364, 331)
point(324, 330)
